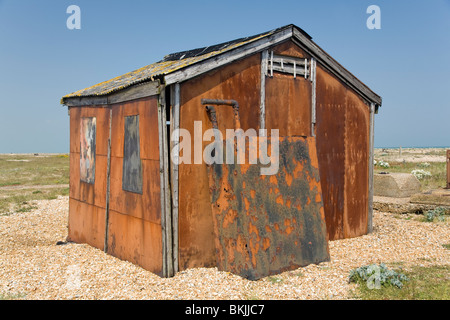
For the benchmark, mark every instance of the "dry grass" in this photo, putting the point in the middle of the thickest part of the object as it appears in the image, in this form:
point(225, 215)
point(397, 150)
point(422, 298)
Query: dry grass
point(26, 178)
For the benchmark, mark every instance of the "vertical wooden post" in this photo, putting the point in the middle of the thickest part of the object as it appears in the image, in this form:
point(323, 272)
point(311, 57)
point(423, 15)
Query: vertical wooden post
point(313, 96)
point(371, 158)
point(262, 103)
point(174, 147)
point(108, 181)
point(166, 212)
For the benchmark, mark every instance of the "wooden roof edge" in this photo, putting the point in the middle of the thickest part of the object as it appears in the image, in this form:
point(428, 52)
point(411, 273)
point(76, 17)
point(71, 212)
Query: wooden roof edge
point(137, 91)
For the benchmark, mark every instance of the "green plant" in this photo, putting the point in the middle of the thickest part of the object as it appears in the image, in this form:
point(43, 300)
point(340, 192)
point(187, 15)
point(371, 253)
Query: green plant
point(376, 276)
point(425, 283)
point(437, 213)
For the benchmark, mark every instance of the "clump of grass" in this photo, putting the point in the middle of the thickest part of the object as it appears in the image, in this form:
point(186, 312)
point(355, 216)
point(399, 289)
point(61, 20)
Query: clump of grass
point(375, 276)
point(12, 296)
point(19, 200)
point(35, 171)
point(425, 283)
point(446, 245)
point(26, 207)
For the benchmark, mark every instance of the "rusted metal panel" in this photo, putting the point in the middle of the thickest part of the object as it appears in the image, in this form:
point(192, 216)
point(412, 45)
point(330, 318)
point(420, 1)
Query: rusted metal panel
point(331, 153)
point(86, 223)
point(135, 228)
point(132, 167)
point(136, 240)
point(357, 169)
point(94, 192)
point(268, 224)
point(240, 79)
point(343, 149)
point(288, 105)
point(146, 206)
point(147, 109)
point(288, 100)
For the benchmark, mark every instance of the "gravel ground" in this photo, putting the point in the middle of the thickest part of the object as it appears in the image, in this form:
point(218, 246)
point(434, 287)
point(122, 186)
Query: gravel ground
point(32, 266)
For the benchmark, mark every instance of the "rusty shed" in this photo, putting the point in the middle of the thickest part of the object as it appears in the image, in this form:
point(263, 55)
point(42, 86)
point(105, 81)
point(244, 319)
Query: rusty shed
point(129, 198)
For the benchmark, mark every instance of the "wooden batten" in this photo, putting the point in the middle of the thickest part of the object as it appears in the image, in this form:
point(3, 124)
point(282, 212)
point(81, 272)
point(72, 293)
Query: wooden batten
point(174, 125)
point(262, 105)
point(108, 184)
point(166, 214)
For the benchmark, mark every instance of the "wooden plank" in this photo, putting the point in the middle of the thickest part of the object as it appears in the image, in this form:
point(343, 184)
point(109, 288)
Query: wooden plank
point(165, 222)
point(371, 169)
point(289, 69)
point(227, 57)
point(165, 190)
point(174, 125)
point(313, 97)
point(288, 60)
point(86, 101)
point(333, 66)
point(262, 105)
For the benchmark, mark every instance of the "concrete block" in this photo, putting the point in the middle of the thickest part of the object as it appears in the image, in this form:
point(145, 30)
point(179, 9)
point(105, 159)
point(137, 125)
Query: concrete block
point(395, 185)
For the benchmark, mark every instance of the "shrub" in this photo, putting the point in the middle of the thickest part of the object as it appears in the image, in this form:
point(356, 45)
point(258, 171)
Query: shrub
point(376, 276)
point(421, 174)
point(438, 213)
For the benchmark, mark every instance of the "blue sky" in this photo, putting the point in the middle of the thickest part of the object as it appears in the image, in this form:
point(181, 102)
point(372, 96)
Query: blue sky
point(407, 61)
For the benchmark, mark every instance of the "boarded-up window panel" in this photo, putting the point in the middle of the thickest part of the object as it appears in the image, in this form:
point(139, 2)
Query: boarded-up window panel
point(132, 167)
point(87, 149)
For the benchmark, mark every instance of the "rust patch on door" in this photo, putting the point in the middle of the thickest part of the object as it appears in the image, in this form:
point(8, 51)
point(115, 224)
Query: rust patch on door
point(268, 224)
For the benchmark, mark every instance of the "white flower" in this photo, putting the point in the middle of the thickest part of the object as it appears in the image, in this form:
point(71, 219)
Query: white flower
point(421, 174)
point(383, 164)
